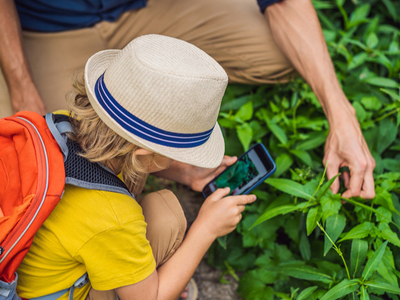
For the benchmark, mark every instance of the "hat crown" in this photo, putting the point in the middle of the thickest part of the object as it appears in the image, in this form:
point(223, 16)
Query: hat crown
point(167, 83)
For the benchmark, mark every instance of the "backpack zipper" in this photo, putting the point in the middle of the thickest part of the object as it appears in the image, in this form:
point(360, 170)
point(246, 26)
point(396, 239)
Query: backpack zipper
point(40, 147)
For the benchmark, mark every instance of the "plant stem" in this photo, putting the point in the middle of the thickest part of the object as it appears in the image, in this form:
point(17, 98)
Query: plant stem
point(336, 248)
point(386, 115)
point(319, 185)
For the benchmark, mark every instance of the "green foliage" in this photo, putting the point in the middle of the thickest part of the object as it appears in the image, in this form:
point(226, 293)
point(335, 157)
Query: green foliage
point(299, 240)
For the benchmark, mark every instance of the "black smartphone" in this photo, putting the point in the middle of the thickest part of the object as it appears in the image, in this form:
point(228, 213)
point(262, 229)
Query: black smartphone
point(252, 168)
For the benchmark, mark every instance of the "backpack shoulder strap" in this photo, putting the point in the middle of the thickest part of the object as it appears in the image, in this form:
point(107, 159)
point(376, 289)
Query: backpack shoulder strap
point(78, 170)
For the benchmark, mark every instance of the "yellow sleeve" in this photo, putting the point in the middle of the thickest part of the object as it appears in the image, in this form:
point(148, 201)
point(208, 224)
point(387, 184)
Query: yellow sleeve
point(118, 256)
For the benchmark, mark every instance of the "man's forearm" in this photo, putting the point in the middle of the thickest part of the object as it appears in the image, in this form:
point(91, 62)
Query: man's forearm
point(12, 59)
point(296, 30)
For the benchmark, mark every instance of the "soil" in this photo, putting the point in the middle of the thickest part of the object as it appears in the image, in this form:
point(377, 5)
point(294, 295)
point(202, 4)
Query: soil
point(207, 278)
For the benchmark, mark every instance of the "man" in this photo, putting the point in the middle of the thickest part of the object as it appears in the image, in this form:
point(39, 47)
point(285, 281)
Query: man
point(253, 47)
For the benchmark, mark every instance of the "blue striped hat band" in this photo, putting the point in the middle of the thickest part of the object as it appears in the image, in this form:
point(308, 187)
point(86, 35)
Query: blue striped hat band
point(142, 129)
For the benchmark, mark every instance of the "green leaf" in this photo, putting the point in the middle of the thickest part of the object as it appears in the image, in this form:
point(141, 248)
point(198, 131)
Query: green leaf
point(358, 232)
point(371, 103)
point(392, 94)
point(359, 15)
point(253, 285)
point(384, 215)
point(236, 103)
point(245, 135)
point(387, 234)
point(313, 216)
point(384, 198)
point(303, 155)
point(393, 165)
point(331, 205)
point(314, 140)
point(222, 241)
point(283, 163)
point(391, 9)
point(304, 247)
point(290, 187)
point(374, 261)
point(245, 113)
point(364, 294)
point(306, 293)
point(325, 187)
point(334, 227)
point(387, 135)
point(358, 255)
point(385, 269)
point(382, 82)
point(278, 132)
point(303, 272)
point(372, 40)
point(343, 288)
point(358, 60)
point(383, 287)
point(280, 210)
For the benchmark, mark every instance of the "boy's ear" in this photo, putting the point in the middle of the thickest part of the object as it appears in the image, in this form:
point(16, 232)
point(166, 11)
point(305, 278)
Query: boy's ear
point(142, 151)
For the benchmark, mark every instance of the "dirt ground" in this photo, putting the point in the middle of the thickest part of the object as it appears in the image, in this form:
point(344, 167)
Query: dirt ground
point(206, 277)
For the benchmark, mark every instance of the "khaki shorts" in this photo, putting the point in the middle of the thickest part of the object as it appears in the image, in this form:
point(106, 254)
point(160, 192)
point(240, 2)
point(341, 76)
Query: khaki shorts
point(233, 32)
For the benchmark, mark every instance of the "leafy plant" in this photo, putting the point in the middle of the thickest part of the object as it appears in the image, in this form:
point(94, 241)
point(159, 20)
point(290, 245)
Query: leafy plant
point(299, 240)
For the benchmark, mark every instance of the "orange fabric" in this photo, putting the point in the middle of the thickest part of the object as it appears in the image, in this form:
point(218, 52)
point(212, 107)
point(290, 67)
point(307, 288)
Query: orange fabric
point(23, 184)
point(8, 222)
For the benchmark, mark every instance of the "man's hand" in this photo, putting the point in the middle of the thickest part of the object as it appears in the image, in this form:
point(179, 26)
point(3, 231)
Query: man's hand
point(195, 177)
point(27, 98)
point(13, 62)
point(346, 147)
point(296, 30)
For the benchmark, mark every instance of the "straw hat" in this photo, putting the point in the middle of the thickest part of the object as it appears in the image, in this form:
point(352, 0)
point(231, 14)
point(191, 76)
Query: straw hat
point(162, 94)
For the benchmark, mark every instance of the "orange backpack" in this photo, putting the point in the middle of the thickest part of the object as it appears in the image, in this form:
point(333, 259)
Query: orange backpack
point(32, 180)
point(36, 160)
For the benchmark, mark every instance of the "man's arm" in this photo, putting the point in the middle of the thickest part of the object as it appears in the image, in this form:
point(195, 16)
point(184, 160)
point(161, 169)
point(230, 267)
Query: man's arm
point(23, 93)
point(296, 30)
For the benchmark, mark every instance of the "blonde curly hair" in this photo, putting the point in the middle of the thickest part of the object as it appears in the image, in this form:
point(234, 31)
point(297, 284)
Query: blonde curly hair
point(100, 143)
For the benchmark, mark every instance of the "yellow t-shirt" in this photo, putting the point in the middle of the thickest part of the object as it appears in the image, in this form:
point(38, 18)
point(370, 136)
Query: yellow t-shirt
point(101, 233)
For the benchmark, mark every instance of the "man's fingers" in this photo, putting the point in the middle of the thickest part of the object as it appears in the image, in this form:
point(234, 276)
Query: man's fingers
point(368, 187)
point(356, 182)
point(331, 171)
point(219, 194)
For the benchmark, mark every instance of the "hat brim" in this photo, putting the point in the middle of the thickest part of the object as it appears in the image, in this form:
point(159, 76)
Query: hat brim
point(208, 155)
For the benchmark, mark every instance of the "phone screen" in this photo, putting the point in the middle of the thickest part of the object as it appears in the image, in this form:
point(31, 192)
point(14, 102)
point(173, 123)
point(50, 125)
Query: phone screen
point(250, 168)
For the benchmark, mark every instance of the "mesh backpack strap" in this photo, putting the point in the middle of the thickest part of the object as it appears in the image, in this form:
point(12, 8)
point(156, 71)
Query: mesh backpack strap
point(78, 170)
point(61, 140)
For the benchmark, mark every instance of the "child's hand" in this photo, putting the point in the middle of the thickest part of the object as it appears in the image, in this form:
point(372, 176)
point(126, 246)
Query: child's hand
point(219, 215)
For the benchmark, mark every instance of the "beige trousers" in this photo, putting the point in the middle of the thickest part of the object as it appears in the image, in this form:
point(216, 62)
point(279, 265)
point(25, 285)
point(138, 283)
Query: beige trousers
point(233, 32)
point(166, 226)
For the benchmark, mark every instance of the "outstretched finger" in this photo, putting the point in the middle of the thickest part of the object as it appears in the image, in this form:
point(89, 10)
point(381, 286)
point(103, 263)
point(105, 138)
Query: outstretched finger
point(244, 199)
point(219, 194)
